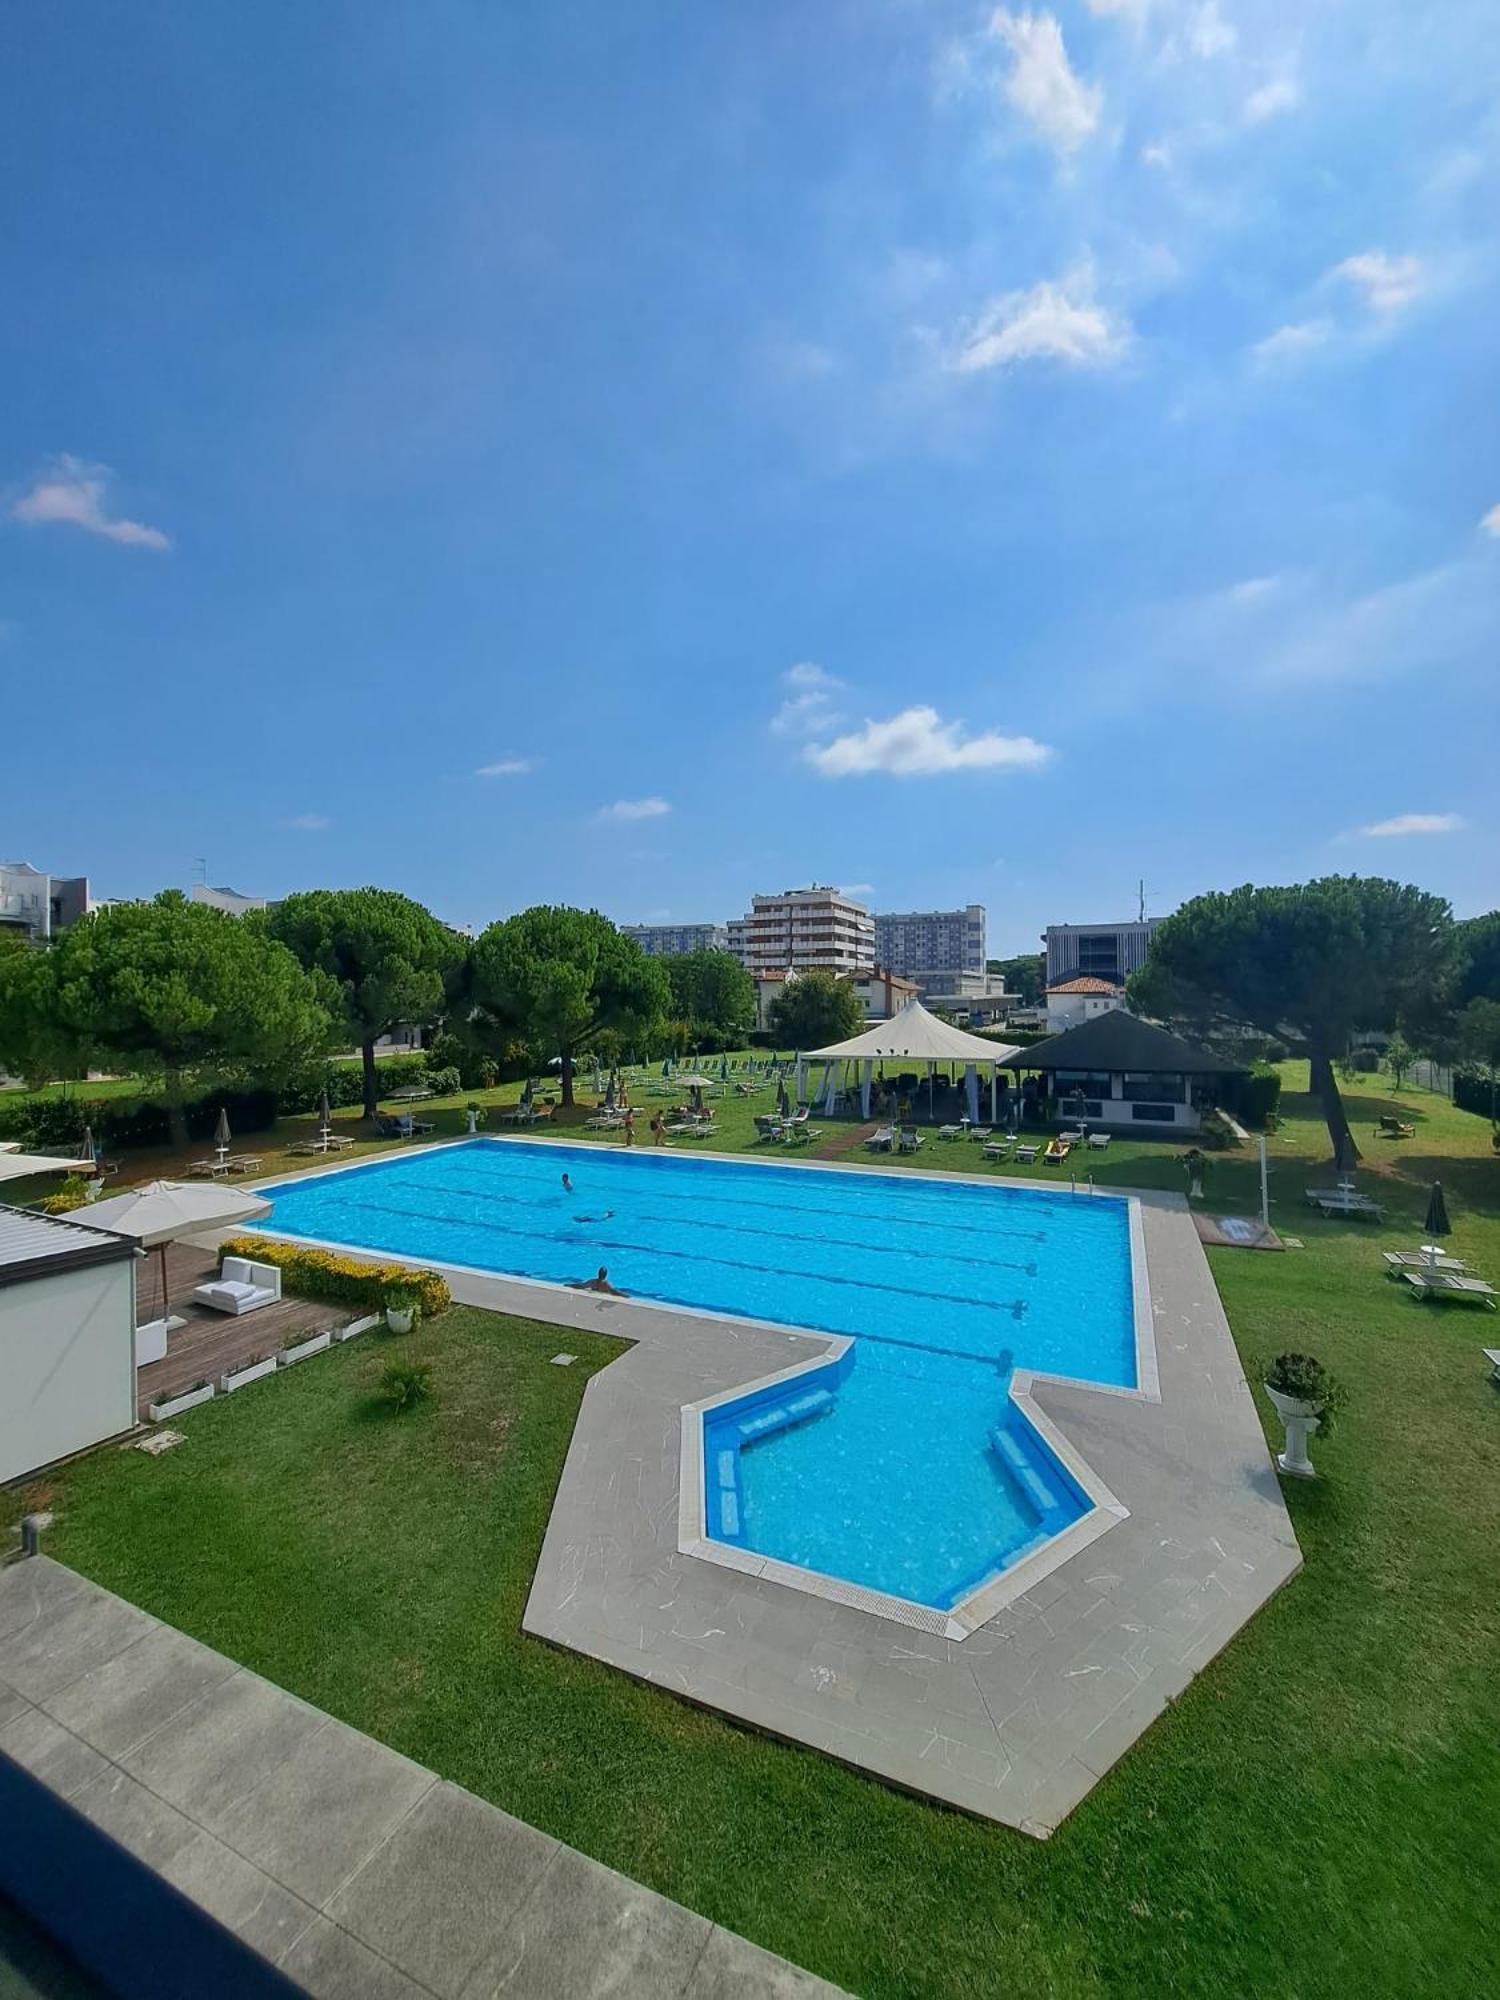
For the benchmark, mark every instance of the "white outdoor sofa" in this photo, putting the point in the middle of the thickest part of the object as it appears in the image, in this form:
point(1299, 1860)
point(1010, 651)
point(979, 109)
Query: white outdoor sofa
point(241, 1287)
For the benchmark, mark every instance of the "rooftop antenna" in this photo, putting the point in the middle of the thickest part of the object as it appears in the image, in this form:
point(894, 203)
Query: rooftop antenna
point(1141, 899)
point(201, 868)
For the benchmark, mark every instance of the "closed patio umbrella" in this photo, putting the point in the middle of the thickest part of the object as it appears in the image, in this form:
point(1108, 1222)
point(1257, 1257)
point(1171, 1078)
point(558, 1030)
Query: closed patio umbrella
point(162, 1211)
point(609, 1095)
point(783, 1103)
point(221, 1133)
point(325, 1118)
point(1437, 1223)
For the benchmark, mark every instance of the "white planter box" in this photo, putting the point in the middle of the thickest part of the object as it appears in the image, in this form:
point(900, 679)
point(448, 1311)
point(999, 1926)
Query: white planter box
point(229, 1383)
point(356, 1326)
point(290, 1355)
point(172, 1406)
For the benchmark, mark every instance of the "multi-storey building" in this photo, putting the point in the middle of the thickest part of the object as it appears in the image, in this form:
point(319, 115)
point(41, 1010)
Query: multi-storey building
point(40, 904)
point(670, 940)
point(804, 928)
point(229, 900)
point(917, 943)
point(1097, 951)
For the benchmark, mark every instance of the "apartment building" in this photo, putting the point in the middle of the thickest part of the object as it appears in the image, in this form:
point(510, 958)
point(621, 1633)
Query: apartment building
point(40, 904)
point(803, 928)
point(1097, 951)
point(671, 940)
point(917, 943)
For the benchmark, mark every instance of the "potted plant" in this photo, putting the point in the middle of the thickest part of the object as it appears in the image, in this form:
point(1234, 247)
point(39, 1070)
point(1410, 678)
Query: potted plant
point(1306, 1398)
point(403, 1307)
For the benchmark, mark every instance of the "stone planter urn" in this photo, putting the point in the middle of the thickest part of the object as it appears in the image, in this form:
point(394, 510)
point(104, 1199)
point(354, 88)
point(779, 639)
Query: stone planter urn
point(401, 1319)
point(1301, 1420)
point(473, 1118)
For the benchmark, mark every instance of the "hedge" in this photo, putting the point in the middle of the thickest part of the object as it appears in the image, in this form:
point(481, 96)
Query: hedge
point(1475, 1093)
point(1252, 1095)
point(319, 1274)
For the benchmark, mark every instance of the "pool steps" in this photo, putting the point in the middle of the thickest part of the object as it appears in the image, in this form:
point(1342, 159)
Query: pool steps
point(764, 1423)
point(1052, 1508)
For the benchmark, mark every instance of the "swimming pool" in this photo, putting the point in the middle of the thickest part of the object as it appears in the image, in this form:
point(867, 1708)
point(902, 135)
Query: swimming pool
point(910, 1471)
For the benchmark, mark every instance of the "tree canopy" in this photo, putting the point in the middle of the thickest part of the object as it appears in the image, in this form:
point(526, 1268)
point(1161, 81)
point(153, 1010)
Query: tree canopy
point(712, 995)
point(177, 991)
point(815, 1009)
point(388, 956)
point(1024, 975)
point(1311, 962)
point(555, 977)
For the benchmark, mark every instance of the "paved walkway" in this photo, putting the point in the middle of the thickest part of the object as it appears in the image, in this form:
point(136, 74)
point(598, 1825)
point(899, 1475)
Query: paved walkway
point(356, 1872)
point(1018, 1721)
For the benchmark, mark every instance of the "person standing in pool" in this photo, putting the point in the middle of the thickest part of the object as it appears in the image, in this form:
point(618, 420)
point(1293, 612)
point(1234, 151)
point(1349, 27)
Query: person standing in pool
point(598, 1283)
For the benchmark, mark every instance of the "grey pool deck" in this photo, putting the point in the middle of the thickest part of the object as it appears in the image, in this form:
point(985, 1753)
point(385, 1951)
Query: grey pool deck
point(357, 1873)
point(1016, 1722)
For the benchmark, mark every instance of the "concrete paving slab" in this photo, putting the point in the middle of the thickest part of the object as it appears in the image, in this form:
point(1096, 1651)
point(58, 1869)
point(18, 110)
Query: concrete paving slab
point(262, 1912)
point(451, 1852)
point(49, 1752)
point(129, 1813)
point(320, 1815)
point(732, 1970)
point(216, 1751)
point(65, 1636)
point(128, 1698)
point(584, 1932)
point(335, 1966)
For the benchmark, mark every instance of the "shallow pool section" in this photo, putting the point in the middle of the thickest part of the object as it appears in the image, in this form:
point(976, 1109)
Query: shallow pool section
point(903, 1466)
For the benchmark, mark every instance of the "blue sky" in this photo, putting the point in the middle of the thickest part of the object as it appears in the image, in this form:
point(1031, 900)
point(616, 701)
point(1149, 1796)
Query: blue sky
point(638, 455)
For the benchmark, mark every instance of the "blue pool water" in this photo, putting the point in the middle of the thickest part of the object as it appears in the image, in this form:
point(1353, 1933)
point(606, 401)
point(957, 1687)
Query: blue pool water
point(898, 1480)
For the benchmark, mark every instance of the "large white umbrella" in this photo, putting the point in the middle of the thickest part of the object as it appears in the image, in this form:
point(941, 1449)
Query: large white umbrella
point(162, 1211)
point(16, 1166)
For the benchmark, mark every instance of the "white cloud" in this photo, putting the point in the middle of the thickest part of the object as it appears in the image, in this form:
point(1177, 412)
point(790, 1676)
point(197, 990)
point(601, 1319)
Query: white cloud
point(1490, 523)
point(309, 823)
point(1289, 343)
point(73, 492)
point(1254, 589)
point(1408, 823)
point(1281, 93)
point(1208, 33)
point(1130, 10)
point(505, 767)
point(917, 743)
point(1388, 282)
point(1042, 84)
point(1157, 154)
point(857, 888)
point(810, 703)
point(626, 809)
point(1060, 321)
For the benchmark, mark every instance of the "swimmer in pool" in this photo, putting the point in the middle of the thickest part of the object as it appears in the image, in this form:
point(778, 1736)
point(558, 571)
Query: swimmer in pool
point(598, 1283)
point(567, 1183)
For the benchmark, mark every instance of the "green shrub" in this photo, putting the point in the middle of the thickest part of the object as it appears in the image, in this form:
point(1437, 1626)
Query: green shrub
point(73, 1193)
point(1305, 1377)
point(404, 1384)
point(445, 1082)
point(320, 1274)
point(1253, 1096)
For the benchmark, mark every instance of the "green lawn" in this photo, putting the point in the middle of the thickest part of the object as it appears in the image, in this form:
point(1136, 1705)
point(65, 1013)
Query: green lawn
point(1319, 1813)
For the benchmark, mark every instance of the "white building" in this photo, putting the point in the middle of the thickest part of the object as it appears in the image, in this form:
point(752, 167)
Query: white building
point(67, 1339)
point(918, 943)
point(804, 928)
point(40, 904)
point(673, 940)
point(1079, 1000)
point(881, 994)
point(1097, 951)
point(228, 900)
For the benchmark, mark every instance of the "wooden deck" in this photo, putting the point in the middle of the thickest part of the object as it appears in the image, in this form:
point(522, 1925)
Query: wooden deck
point(212, 1341)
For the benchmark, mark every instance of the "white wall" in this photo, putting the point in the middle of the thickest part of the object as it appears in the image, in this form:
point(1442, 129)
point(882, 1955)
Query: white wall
point(67, 1364)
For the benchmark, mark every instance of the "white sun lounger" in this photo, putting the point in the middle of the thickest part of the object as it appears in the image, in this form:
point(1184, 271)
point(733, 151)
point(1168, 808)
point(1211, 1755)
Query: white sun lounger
point(1448, 1285)
point(1398, 1261)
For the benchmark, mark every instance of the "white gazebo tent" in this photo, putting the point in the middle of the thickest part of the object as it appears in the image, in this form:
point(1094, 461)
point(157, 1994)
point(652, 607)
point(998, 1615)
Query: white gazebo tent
point(913, 1035)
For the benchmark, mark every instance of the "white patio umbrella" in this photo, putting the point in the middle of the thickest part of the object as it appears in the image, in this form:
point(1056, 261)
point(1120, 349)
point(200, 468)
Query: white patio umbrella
point(162, 1211)
point(222, 1135)
point(17, 1166)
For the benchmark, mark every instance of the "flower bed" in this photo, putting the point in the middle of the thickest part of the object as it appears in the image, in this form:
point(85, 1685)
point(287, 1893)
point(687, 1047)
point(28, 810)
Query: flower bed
point(321, 1274)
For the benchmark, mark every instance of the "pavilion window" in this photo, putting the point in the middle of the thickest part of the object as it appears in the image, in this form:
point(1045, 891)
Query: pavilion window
point(1143, 1086)
point(1082, 1083)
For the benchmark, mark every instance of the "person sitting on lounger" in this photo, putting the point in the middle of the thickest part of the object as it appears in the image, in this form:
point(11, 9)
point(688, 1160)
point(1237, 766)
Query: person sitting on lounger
point(598, 1283)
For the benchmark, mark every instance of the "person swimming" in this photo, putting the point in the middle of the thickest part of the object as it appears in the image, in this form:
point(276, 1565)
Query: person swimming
point(567, 1183)
point(598, 1283)
point(607, 1216)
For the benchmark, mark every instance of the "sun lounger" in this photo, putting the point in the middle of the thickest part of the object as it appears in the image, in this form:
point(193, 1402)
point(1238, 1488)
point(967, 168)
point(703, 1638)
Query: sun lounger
point(1026, 1154)
point(241, 1287)
point(604, 1121)
point(950, 1131)
point(801, 1134)
point(1492, 1355)
point(1449, 1285)
point(1398, 1261)
point(910, 1140)
point(980, 1134)
point(1098, 1141)
point(1343, 1201)
point(1391, 1127)
point(1058, 1149)
point(1072, 1138)
point(883, 1140)
point(998, 1149)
